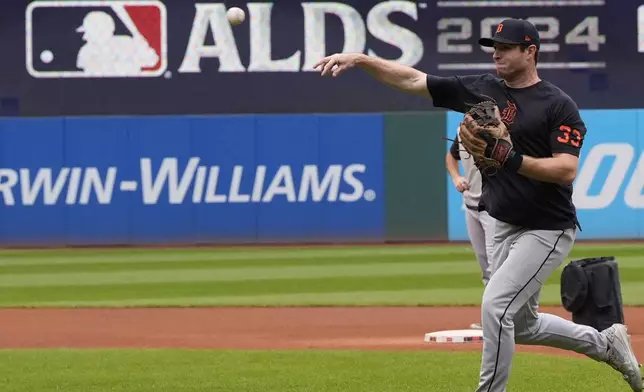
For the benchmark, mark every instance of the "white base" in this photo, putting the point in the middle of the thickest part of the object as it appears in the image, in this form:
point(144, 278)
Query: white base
point(455, 336)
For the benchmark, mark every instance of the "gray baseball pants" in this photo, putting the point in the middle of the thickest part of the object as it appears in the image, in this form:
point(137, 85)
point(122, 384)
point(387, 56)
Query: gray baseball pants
point(480, 229)
point(523, 260)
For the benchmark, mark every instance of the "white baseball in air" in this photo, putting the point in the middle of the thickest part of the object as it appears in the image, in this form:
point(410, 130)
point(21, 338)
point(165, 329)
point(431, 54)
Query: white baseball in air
point(235, 15)
point(46, 56)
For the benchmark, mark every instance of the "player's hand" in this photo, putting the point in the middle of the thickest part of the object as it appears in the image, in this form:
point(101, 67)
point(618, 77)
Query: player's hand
point(461, 184)
point(337, 63)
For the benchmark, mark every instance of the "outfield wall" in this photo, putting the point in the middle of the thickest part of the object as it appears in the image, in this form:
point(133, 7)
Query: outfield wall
point(226, 179)
point(275, 178)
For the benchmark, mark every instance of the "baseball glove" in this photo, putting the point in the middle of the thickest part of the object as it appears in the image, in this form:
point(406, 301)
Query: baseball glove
point(486, 138)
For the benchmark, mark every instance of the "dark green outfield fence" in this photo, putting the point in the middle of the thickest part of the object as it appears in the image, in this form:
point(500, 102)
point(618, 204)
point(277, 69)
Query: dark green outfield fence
point(414, 172)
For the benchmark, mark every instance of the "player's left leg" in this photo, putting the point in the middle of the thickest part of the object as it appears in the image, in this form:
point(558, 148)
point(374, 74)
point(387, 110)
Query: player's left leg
point(611, 346)
point(534, 328)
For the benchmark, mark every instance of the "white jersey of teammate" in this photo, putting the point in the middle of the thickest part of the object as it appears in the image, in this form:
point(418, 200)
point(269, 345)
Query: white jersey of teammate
point(480, 225)
point(472, 196)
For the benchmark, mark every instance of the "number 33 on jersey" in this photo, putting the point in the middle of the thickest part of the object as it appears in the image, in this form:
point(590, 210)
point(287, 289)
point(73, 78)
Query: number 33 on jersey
point(570, 136)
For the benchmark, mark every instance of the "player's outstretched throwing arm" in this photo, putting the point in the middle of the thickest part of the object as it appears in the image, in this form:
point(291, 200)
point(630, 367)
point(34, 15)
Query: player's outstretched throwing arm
point(398, 76)
point(447, 92)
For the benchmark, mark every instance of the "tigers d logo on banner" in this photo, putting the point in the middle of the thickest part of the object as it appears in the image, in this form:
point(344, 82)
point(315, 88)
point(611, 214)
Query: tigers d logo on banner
point(99, 39)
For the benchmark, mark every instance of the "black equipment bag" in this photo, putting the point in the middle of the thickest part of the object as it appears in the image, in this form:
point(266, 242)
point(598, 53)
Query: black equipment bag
point(591, 291)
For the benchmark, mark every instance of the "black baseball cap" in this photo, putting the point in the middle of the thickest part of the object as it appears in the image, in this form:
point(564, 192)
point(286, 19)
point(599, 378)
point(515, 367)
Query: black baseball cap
point(513, 32)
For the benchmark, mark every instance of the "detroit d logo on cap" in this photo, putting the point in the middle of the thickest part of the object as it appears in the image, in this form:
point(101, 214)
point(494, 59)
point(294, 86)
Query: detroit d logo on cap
point(96, 39)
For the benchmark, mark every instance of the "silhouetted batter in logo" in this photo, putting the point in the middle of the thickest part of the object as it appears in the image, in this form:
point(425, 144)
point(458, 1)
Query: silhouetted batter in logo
point(106, 54)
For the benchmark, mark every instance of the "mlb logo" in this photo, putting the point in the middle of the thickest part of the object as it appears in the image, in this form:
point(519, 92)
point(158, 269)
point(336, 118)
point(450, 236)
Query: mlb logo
point(96, 39)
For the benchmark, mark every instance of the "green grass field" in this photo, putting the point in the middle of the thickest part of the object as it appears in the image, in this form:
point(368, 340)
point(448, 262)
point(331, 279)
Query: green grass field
point(414, 275)
point(281, 371)
point(402, 275)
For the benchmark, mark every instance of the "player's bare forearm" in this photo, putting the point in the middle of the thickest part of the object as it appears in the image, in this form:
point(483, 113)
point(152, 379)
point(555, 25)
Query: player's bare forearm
point(560, 169)
point(398, 76)
point(452, 166)
point(390, 73)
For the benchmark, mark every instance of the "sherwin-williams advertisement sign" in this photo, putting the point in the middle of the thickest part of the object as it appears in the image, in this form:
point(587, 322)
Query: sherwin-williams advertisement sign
point(609, 189)
point(191, 179)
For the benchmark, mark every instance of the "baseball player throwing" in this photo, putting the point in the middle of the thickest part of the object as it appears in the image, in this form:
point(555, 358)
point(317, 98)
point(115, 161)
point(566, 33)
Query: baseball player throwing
point(480, 225)
point(527, 147)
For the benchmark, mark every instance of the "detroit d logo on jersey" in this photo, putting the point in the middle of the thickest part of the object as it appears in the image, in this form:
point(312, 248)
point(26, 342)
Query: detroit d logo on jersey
point(100, 39)
point(509, 113)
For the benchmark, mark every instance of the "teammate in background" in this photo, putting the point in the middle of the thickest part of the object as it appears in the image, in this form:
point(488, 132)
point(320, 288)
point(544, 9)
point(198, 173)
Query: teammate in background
point(480, 225)
point(106, 54)
point(531, 199)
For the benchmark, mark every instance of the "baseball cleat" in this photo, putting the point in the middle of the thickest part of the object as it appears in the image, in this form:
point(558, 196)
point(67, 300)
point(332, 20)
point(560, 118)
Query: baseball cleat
point(621, 356)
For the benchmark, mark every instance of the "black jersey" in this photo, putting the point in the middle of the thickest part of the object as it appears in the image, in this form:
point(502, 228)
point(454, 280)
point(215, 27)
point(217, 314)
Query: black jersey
point(542, 120)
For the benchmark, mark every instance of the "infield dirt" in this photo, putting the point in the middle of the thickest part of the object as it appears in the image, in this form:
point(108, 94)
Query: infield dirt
point(364, 328)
